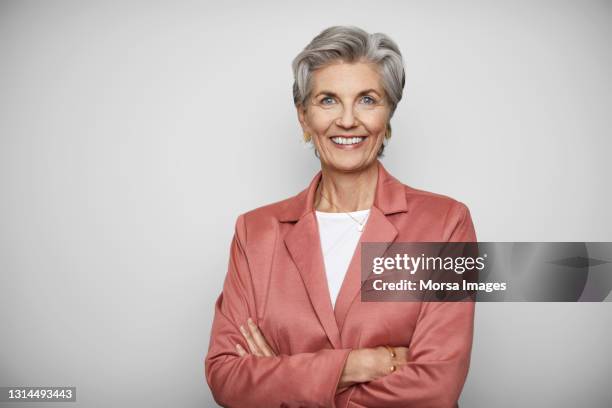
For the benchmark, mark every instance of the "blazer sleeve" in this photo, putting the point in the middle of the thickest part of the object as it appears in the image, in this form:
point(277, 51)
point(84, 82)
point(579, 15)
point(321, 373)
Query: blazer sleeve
point(440, 349)
point(304, 379)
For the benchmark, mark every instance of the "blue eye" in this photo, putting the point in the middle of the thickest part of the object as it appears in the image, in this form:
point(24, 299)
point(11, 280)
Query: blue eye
point(327, 98)
point(368, 100)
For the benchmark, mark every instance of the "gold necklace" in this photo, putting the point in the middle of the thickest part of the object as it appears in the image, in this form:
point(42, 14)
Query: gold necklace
point(360, 224)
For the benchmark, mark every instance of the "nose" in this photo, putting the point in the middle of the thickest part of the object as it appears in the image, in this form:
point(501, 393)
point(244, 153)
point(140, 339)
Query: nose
point(347, 118)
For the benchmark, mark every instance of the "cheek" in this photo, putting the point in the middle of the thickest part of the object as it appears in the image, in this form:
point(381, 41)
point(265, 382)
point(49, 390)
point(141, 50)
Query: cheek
point(376, 123)
point(319, 123)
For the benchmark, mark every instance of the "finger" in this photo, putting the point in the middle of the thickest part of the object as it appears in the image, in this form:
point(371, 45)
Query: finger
point(251, 342)
point(259, 338)
point(241, 352)
point(402, 355)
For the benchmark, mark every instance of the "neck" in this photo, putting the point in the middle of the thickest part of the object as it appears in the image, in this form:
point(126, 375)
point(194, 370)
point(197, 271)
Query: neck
point(347, 192)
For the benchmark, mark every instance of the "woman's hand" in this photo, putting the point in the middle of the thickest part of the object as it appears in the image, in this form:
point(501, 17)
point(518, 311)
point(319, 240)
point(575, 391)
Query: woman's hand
point(256, 341)
point(368, 364)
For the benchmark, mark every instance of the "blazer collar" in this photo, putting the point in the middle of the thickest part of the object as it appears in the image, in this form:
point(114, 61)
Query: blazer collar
point(390, 197)
point(304, 246)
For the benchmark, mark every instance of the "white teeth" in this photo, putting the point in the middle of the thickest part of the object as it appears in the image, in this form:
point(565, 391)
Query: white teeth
point(347, 140)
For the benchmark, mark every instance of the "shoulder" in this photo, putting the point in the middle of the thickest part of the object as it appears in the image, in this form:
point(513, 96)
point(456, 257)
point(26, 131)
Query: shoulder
point(397, 196)
point(262, 220)
point(434, 215)
point(428, 202)
point(448, 216)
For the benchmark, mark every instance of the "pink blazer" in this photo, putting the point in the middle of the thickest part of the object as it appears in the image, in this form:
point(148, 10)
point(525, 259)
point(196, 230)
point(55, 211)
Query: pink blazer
point(276, 276)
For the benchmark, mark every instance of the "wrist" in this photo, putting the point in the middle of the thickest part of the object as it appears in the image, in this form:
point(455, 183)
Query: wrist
point(370, 364)
point(363, 365)
point(357, 368)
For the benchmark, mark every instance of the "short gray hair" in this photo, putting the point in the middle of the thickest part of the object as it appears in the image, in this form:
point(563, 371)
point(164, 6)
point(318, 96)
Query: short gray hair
point(350, 44)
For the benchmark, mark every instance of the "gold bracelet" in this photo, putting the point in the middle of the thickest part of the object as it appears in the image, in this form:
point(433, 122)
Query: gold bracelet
point(392, 352)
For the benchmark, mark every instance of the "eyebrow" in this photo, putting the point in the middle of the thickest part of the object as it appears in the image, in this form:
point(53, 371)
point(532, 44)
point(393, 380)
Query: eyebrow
point(367, 91)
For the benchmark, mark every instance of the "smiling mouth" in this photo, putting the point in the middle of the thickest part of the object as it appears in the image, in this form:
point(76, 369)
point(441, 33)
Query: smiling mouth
point(342, 140)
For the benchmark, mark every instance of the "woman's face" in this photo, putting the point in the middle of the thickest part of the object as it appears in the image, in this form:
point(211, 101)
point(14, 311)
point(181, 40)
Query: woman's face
point(346, 115)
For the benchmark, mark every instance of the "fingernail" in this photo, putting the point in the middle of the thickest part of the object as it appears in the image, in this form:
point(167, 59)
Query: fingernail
point(250, 321)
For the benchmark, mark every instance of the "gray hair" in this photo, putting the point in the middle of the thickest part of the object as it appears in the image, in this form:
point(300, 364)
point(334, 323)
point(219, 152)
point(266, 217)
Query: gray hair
point(350, 44)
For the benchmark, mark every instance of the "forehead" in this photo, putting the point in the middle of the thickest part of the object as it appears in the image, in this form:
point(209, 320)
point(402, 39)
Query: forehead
point(347, 78)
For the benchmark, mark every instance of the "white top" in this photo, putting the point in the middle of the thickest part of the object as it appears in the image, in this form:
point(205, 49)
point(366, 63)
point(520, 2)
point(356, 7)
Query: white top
point(339, 235)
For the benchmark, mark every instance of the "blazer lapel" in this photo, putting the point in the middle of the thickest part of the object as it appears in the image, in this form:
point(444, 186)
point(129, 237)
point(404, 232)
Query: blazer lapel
point(303, 244)
point(378, 229)
point(390, 198)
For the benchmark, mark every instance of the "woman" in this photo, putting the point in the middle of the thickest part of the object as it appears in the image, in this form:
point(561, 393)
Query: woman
point(289, 328)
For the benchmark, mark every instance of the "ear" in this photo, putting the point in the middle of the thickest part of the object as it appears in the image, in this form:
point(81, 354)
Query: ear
point(301, 112)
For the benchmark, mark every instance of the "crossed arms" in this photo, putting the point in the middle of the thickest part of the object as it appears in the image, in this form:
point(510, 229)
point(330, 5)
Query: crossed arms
point(242, 370)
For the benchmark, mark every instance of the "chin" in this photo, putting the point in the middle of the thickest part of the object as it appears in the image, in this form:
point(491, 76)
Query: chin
point(350, 163)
